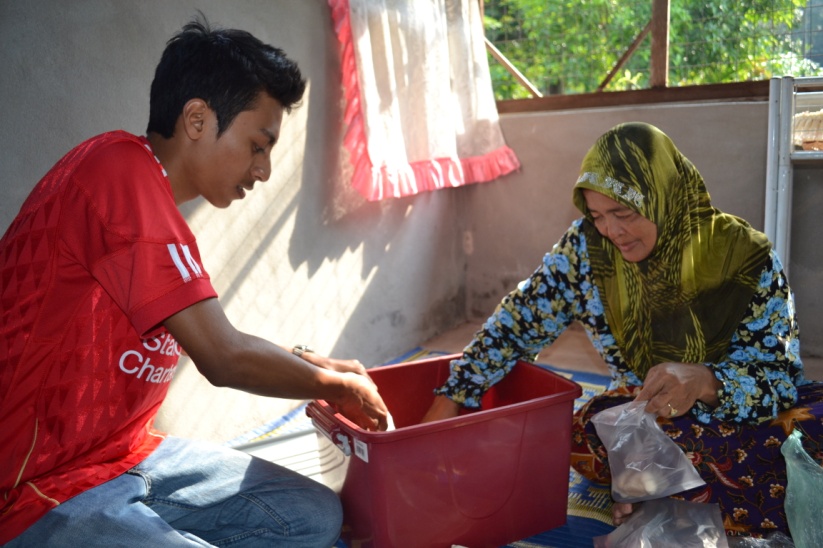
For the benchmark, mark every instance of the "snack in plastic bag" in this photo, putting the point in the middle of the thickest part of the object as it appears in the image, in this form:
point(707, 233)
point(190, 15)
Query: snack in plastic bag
point(804, 503)
point(645, 463)
point(668, 523)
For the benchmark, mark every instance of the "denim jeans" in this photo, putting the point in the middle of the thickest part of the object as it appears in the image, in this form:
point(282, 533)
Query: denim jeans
point(191, 493)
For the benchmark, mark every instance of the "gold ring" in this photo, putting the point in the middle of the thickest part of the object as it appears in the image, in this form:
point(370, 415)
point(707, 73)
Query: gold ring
point(674, 411)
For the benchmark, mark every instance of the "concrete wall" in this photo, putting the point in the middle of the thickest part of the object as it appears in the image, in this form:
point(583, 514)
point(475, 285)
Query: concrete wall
point(302, 259)
point(806, 250)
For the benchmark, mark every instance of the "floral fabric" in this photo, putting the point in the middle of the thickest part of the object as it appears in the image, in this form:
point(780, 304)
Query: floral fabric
point(562, 290)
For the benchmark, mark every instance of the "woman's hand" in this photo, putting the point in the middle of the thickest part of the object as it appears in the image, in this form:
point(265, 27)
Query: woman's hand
point(441, 408)
point(671, 389)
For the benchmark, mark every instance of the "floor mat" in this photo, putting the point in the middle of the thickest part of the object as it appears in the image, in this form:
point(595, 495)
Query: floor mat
point(293, 422)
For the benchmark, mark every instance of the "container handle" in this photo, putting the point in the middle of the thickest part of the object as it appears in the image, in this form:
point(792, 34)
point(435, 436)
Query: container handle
point(329, 429)
point(342, 443)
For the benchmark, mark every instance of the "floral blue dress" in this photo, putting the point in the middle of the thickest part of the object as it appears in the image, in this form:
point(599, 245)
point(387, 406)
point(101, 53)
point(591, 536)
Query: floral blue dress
point(735, 445)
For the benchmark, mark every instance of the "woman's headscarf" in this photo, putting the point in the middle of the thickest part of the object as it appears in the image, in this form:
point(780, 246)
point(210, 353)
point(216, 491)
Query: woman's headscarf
point(685, 300)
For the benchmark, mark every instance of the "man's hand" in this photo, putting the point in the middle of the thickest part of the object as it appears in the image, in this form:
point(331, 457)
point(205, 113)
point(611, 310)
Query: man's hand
point(332, 364)
point(230, 358)
point(360, 402)
point(366, 408)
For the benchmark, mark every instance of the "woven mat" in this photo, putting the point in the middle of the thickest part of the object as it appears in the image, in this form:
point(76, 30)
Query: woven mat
point(589, 506)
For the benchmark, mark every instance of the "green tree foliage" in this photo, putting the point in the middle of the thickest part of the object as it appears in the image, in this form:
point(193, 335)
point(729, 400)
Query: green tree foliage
point(570, 46)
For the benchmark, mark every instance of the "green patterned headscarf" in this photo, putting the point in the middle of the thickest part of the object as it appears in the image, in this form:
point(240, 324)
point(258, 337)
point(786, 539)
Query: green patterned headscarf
point(684, 301)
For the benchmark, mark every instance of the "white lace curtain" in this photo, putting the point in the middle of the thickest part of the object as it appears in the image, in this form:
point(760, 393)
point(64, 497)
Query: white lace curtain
point(420, 113)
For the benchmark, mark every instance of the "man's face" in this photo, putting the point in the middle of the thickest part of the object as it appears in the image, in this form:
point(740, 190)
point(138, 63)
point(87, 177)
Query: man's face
point(227, 167)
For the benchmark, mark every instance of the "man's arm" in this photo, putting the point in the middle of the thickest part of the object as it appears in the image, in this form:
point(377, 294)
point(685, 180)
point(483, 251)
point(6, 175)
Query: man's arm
point(230, 358)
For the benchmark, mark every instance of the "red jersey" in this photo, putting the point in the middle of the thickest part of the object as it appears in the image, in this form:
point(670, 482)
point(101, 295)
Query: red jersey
point(96, 259)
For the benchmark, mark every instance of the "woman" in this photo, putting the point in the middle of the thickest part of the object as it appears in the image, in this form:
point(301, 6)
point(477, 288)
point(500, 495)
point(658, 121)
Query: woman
point(690, 310)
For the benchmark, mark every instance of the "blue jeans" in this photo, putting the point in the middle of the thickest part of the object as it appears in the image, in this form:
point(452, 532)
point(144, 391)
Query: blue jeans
point(190, 493)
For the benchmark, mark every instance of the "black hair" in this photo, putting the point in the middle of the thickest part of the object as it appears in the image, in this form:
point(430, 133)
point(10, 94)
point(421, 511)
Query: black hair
point(227, 68)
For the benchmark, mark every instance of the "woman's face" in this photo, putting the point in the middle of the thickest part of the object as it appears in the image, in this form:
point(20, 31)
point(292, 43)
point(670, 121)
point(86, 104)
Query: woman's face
point(632, 234)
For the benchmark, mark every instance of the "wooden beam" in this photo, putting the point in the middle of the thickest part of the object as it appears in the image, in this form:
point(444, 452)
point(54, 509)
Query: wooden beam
point(497, 54)
point(628, 53)
point(660, 44)
point(737, 91)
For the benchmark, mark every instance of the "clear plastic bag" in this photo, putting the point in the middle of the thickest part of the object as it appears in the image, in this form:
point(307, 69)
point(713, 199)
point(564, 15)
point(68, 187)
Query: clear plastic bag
point(804, 503)
point(667, 523)
point(645, 463)
point(773, 540)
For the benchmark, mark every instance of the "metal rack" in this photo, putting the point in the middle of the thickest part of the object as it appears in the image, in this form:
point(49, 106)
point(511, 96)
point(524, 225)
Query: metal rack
point(787, 96)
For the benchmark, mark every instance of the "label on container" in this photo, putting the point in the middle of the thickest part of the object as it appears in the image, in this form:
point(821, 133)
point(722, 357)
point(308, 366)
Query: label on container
point(361, 449)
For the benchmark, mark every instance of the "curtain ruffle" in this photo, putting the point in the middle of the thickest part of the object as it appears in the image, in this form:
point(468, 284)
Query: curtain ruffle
point(392, 179)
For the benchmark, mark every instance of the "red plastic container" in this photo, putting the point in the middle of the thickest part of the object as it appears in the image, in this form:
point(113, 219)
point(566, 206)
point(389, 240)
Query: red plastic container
point(485, 478)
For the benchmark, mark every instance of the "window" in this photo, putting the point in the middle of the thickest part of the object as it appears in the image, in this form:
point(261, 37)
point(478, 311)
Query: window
point(565, 47)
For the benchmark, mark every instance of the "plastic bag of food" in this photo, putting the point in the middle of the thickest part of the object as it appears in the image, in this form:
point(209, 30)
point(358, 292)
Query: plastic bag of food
point(645, 463)
point(804, 503)
point(666, 523)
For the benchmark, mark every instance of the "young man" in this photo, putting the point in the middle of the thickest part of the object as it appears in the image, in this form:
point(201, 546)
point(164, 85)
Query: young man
point(102, 287)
